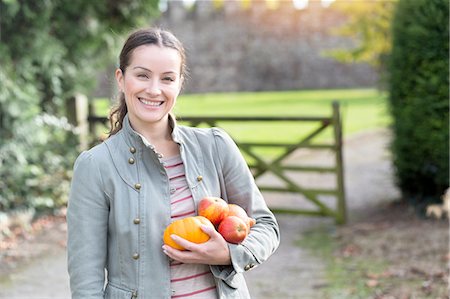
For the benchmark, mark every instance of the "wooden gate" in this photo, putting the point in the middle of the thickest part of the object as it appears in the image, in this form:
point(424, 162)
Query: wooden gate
point(278, 166)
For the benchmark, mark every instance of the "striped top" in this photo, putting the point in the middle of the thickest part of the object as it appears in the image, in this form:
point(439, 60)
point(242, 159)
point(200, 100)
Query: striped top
point(193, 281)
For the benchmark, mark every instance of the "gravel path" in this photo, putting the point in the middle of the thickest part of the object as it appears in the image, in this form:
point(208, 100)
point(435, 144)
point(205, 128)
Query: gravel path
point(293, 272)
point(290, 273)
point(43, 278)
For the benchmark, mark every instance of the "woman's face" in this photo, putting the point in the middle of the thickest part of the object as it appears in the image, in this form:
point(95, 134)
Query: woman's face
point(151, 84)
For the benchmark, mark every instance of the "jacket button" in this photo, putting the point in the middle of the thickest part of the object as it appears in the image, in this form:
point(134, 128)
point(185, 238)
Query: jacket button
point(137, 186)
point(248, 267)
point(131, 160)
point(136, 221)
point(199, 178)
point(132, 150)
point(136, 256)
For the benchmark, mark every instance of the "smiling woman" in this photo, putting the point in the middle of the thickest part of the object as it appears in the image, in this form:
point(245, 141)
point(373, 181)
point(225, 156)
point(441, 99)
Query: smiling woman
point(157, 58)
point(149, 172)
point(150, 83)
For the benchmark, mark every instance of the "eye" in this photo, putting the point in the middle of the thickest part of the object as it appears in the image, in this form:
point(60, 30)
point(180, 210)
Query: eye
point(170, 79)
point(144, 76)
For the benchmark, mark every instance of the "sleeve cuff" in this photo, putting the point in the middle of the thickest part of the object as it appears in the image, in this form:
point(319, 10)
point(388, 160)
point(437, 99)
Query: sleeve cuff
point(241, 260)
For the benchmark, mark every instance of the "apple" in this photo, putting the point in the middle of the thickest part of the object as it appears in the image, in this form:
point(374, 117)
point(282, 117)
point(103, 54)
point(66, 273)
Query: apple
point(235, 210)
point(215, 209)
point(233, 229)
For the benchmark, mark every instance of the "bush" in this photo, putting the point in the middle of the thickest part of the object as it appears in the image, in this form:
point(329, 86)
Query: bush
point(35, 166)
point(419, 99)
point(49, 51)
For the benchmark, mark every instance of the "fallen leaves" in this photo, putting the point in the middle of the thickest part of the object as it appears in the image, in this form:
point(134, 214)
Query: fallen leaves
point(395, 255)
point(371, 283)
point(23, 243)
point(351, 250)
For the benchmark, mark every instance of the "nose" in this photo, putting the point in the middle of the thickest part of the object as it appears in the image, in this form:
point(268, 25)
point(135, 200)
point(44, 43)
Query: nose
point(153, 88)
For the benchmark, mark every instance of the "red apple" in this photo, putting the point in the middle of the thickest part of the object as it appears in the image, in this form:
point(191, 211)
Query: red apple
point(235, 210)
point(233, 229)
point(213, 208)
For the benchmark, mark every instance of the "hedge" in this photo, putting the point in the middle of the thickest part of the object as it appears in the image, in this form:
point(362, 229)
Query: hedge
point(49, 51)
point(419, 99)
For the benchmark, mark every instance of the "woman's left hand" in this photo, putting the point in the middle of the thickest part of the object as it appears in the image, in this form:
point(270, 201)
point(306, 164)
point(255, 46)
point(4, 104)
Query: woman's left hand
point(213, 252)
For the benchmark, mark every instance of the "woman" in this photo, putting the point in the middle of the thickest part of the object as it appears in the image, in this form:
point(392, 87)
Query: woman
point(149, 172)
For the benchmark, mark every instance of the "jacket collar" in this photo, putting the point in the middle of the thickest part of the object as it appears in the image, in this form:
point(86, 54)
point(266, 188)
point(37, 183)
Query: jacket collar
point(137, 138)
point(127, 143)
point(175, 129)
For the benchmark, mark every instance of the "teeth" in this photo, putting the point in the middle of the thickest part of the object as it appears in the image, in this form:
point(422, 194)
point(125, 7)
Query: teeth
point(150, 103)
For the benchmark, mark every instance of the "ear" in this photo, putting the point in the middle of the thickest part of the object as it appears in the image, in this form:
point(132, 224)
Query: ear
point(120, 79)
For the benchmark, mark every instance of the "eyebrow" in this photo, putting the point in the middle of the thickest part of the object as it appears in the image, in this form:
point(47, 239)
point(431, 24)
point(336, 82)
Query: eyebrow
point(146, 69)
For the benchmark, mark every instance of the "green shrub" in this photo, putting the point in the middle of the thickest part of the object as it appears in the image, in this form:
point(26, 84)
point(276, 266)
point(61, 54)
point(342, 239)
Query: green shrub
point(49, 51)
point(35, 165)
point(419, 98)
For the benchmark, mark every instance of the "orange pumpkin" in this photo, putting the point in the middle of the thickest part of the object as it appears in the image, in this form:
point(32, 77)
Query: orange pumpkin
point(188, 228)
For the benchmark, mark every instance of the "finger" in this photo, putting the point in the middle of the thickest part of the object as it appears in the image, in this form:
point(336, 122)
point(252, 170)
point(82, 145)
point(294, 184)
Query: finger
point(167, 250)
point(210, 231)
point(183, 256)
point(183, 242)
point(171, 252)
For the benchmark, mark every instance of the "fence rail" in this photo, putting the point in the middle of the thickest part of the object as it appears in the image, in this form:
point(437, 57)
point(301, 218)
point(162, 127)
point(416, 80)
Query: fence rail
point(261, 166)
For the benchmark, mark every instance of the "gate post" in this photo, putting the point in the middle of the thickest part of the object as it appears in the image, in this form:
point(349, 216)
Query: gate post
point(77, 114)
point(341, 216)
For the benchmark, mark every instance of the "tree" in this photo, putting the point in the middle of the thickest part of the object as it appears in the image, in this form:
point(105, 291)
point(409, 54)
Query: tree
point(368, 24)
point(418, 86)
point(49, 51)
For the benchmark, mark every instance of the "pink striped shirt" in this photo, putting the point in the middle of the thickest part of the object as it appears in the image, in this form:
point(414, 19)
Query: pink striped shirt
point(193, 281)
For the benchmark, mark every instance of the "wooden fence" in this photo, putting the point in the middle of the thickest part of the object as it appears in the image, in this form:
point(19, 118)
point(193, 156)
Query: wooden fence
point(280, 165)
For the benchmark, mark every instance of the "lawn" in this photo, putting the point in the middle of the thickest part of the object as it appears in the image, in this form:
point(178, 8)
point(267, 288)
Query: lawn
point(361, 109)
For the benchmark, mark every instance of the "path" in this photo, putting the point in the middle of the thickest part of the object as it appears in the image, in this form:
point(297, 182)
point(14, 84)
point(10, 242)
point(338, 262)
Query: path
point(44, 278)
point(294, 273)
point(290, 273)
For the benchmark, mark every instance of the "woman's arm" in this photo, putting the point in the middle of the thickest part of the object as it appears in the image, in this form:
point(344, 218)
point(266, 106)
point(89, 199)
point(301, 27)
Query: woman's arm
point(241, 189)
point(87, 223)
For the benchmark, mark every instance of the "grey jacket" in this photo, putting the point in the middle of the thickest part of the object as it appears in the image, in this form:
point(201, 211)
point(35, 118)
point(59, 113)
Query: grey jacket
point(119, 207)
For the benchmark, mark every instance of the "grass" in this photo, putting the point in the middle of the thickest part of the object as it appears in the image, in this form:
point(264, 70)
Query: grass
point(347, 277)
point(361, 109)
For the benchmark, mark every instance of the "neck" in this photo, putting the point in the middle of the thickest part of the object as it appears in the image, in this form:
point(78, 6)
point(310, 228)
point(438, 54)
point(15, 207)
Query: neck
point(155, 133)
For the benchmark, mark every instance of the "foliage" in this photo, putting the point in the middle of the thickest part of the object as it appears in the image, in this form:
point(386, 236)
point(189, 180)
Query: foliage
point(368, 25)
point(35, 164)
point(49, 51)
point(419, 81)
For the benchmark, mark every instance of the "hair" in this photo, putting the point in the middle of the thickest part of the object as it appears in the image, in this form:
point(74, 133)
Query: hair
point(147, 36)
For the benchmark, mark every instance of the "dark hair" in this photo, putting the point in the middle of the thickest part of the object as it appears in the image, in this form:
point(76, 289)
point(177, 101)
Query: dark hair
point(147, 36)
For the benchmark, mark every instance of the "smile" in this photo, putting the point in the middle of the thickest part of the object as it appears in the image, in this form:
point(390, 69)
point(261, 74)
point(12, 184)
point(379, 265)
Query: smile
point(150, 103)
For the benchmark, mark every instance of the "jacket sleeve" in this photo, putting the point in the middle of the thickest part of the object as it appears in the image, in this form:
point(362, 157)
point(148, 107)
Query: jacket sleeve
point(241, 189)
point(87, 221)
